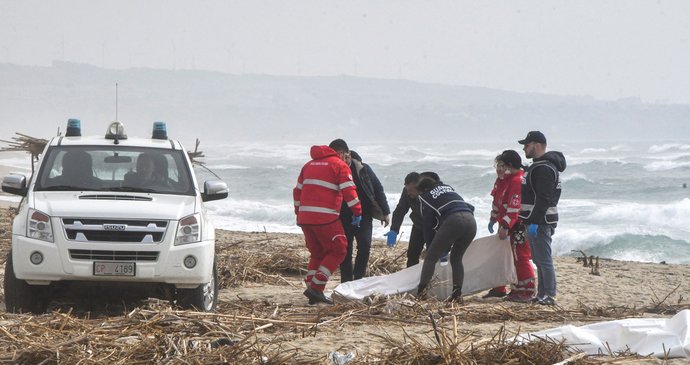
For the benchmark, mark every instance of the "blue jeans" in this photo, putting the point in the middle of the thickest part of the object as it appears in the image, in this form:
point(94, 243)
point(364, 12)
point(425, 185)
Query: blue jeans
point(540, 245)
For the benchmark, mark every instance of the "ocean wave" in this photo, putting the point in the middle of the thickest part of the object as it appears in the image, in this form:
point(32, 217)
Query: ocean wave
point(227, 167)
point(666, 165)
point(656, 215)
point(574, 177)
point(668, 147)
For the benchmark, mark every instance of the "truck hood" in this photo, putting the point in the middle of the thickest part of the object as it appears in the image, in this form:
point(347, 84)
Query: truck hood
point(114, 205)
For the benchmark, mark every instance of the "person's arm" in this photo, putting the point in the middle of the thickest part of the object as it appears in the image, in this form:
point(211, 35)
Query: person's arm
point(428, 220)
point(349, 190)
point(512, 198)
point(297, 191)
point(543, 180)
point(400, 210)
point(379, 194)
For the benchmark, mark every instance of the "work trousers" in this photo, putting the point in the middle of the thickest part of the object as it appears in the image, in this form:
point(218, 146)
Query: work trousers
point(363, 236)
point(327, 246)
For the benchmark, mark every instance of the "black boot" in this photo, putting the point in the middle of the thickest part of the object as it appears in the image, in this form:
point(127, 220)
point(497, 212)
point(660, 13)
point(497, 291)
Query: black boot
point(421, 292)
point(316, 296)
point(457, 295)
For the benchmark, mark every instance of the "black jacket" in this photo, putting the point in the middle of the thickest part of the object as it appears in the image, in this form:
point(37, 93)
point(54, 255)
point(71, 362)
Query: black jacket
point(404, 205)
point(436, 204)
point(369, 189)
point(541, 189)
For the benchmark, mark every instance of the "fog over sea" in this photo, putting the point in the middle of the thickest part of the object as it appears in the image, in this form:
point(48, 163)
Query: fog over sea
point(622, 200)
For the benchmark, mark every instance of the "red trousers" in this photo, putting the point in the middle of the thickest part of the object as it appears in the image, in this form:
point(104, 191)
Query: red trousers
point(523, 268)
point(327, 247)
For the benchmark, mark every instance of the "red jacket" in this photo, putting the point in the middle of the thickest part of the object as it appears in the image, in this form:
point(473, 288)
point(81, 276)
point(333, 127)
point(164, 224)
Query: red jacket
point(506, 203)
point(321, 187)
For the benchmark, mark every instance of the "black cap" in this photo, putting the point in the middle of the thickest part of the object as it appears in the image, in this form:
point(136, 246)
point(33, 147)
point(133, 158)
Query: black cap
point(533, 136)
point(511, 158)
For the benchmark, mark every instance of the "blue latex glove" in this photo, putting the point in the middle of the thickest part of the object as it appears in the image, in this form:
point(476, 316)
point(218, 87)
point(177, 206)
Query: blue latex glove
point(444, 258)
point(356, 220)
point(491, 226)
point(532, 229)
point(392, 238)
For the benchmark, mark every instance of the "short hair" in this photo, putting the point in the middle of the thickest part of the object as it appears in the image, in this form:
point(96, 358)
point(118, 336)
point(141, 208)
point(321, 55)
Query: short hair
point(431, 175)
point(511, 158)
point(339, 145)
point(426, 183)
point(412, 177)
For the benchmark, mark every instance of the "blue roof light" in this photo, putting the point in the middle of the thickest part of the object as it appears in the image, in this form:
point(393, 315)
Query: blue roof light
point(160, 131)
point(73, 128)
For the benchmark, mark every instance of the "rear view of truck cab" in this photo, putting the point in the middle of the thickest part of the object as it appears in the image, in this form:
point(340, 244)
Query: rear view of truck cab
point(112, 211)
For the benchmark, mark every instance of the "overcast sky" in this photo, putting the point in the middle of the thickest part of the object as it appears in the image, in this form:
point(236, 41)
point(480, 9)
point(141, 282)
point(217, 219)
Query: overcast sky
point(606, 49)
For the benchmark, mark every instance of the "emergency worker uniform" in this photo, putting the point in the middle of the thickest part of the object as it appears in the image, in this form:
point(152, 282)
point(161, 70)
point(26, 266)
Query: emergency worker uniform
point(505, 208)
point(322, 186)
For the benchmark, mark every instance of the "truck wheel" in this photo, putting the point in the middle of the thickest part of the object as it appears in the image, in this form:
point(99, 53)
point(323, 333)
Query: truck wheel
point(21, 297)
point(202, 298)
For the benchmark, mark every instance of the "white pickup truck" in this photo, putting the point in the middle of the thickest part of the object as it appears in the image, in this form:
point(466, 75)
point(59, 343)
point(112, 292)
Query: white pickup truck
point(112, 211)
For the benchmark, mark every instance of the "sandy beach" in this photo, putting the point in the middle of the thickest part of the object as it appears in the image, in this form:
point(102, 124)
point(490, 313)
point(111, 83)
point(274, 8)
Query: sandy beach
point(261, 279)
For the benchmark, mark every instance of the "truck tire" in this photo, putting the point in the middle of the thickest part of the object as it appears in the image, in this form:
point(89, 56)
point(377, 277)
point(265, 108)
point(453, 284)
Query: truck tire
point(21, 297)
point(203, 298)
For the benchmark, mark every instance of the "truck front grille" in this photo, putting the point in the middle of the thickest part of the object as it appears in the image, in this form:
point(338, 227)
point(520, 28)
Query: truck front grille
point(113, 230)
point(104, 255)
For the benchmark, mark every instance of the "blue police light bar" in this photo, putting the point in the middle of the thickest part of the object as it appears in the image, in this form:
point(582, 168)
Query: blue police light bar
point(160, 131)
point(73, 128)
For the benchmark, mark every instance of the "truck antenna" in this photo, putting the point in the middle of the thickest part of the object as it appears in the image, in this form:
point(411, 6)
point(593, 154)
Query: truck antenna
point(116, 101)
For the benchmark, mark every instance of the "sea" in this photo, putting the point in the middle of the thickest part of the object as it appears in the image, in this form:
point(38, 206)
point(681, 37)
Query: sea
point(626, 200)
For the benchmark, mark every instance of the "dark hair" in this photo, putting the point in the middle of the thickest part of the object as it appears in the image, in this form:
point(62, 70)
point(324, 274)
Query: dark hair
point(339, 145)
point(431, 175)
point(412, 177)
point(426, 183)
point(355, 156)
point(497, 158)
point(511, 159)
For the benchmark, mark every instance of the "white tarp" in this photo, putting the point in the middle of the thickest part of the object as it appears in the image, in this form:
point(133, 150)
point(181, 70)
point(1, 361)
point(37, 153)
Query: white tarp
point(644, 336)
point(488, 263)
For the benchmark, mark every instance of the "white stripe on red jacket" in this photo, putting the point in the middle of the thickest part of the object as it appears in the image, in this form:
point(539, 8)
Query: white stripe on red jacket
point(321, 187)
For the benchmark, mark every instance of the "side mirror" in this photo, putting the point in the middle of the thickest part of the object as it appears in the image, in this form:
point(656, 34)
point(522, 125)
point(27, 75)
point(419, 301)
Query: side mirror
point(15, 184)
point(214, 190)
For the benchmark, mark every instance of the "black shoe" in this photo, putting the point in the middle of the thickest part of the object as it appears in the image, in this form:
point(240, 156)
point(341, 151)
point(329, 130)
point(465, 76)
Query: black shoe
point(316, 296)
point(547, 300)
point(535, 300)
point(494, 294)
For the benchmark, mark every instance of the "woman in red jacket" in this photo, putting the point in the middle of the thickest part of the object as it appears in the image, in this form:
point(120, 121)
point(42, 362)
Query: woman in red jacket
point(505, 208)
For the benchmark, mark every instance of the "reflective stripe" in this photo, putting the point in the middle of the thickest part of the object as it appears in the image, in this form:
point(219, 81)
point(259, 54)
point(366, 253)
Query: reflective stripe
point(311, 272)
point(527, 206)
point(353, 202)
point(347, 184)
point(552, 210)
point(299, 186)
point(512, 210)
point(506, 219)
point(325, 271)
point(297, 203)
point(526, 281)
point(317, 281)
point(323, 183)
point(305, 208)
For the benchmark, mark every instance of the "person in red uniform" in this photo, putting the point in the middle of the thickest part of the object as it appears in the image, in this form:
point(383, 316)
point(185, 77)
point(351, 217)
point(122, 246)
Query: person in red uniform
point(323, 184)
point(505, 208)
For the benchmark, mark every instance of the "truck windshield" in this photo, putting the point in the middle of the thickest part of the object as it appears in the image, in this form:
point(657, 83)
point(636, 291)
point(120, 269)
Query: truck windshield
point(115, 168)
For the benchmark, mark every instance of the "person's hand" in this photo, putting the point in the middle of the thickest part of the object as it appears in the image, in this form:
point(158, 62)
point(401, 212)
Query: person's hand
point(502, 232)
point(356, 220)
point(491, 225)
point(532, 229)
point(391, 238)
point(386, 220)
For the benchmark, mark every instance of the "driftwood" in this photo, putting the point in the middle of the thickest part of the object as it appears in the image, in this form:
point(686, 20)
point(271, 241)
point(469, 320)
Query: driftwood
point(23, 142)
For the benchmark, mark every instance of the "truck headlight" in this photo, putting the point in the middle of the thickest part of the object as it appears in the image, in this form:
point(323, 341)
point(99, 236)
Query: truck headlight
point(39, 226)
point(188, 230)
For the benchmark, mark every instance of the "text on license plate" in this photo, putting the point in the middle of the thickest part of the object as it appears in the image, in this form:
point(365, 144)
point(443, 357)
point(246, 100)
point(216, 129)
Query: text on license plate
point(101, 268)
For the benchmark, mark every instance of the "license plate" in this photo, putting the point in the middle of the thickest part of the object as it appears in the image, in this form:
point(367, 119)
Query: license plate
point(101, 268)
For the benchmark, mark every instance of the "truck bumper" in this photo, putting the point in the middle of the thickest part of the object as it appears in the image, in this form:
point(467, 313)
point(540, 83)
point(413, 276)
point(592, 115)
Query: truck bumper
point(57, 265)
